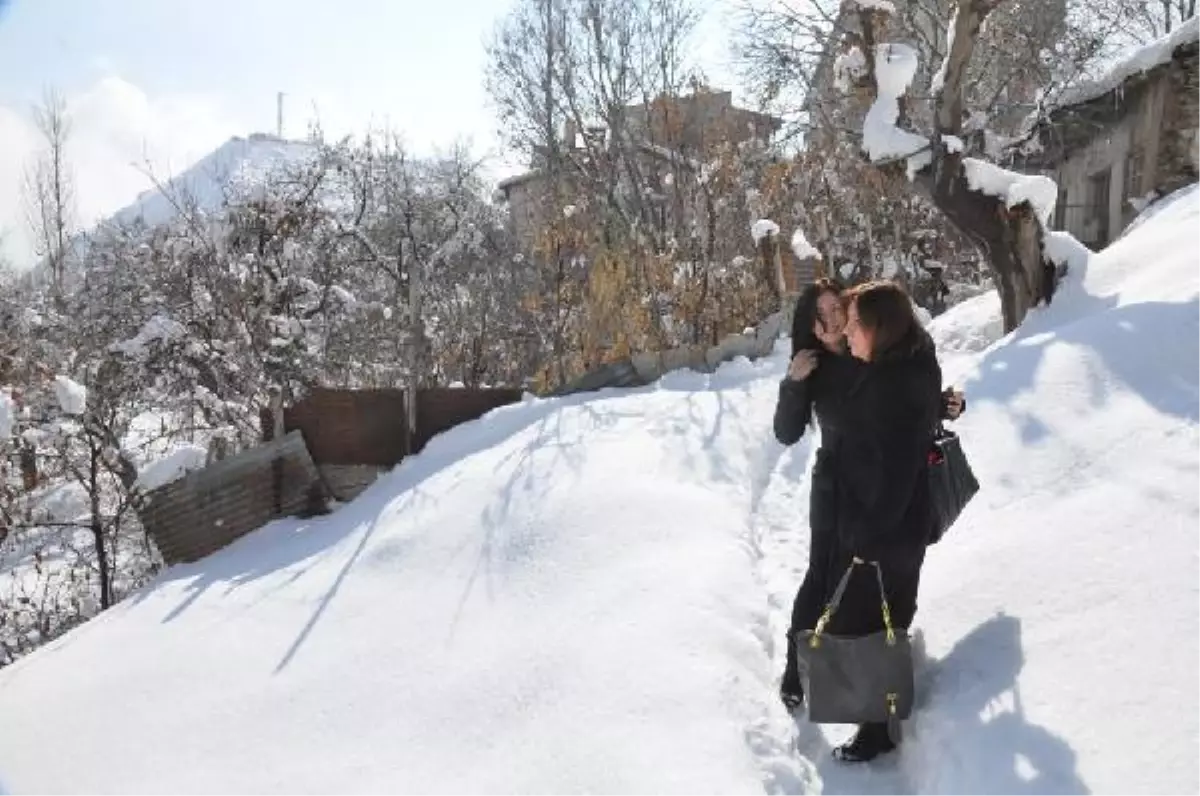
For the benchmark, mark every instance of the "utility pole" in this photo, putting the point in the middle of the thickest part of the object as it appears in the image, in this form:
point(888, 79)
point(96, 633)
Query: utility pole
point(279, 115)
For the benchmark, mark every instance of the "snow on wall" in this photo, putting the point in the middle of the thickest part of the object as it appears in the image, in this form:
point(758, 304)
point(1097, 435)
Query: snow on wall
point(169, 469)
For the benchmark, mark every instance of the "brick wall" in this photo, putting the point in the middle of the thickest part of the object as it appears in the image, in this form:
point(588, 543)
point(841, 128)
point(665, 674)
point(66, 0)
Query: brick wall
point(206, 510)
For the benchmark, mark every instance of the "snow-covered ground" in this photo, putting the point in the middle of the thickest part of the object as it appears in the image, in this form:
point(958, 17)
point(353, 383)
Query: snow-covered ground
point(590, 594)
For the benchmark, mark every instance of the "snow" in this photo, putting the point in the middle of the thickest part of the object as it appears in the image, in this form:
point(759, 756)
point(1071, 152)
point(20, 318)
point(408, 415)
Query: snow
point(1062, 248)
point(72, 396)
point(569, 211)
point(239, 163)
point(939, 78)
point(848, 67)
point(159, 328)
point(895, 67)
point(1039, 191)
point(801, 247)
point(876, 5)
point(182, 460)
point(8, 416)
point(763, 228)
point(1136, 62)
point(590, 594)
point(953, 143)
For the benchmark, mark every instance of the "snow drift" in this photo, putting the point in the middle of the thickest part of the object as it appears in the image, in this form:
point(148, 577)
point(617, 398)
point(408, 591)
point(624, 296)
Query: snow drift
point(590, 594)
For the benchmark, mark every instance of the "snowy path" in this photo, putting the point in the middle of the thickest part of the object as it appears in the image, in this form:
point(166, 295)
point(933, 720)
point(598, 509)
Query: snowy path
point(779, 524)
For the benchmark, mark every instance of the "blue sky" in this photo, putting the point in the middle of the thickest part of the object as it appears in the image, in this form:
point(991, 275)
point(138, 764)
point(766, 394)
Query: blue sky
point(166, 81)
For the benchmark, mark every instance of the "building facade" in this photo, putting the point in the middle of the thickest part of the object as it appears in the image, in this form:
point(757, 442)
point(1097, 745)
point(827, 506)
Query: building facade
point(1123, 141)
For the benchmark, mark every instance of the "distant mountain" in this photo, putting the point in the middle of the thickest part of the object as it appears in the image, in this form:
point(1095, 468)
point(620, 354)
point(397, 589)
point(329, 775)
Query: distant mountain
point(239, 162)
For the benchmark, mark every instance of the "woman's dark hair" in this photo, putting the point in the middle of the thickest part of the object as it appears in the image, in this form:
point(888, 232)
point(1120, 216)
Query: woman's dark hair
point(805, 316)
point(887, 311)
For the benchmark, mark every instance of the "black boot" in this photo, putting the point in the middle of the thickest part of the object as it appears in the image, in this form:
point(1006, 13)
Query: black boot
point(871, 741)
point(791, 693)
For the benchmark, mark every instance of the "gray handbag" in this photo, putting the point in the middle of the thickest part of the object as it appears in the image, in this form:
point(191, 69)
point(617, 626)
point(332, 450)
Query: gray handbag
point(857, 680)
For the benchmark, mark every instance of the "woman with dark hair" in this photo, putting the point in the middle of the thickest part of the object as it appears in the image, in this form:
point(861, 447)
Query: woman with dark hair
point(884, 514)
point(821, 380)
point(818, 379)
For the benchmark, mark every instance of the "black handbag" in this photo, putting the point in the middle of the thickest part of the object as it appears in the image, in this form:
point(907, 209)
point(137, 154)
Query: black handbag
point(952, 484)
point(857, 680)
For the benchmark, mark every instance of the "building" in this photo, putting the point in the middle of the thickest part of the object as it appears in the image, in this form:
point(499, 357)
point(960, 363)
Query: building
point(1117, 143)
point(672, 134)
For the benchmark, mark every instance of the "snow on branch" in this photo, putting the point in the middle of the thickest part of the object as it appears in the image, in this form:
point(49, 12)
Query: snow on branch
point(939, 79)
point(885, 6)
point(848, 68)
point(801, 247)
point(1039, 191)
point(763, 228)
point(882, 140)
point(160, 327)
point(8, 416)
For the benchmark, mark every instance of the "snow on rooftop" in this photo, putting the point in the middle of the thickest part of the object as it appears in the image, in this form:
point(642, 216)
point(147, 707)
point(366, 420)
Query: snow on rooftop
point(1140, 60)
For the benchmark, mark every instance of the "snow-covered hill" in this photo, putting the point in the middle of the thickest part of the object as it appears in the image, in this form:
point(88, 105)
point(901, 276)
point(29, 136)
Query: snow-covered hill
point(238, 164)
point(590, 593)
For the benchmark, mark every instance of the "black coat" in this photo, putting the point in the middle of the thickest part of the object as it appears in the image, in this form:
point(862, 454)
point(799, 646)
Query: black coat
point(869, 496)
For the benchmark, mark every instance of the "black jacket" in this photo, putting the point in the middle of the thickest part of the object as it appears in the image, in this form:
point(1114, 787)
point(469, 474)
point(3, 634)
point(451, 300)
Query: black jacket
point(877, 423)
point(891, 414)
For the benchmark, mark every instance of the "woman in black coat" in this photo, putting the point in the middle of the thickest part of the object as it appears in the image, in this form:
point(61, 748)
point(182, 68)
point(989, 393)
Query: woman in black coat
point(884, 513)
point(819, 377)
point(825, 382)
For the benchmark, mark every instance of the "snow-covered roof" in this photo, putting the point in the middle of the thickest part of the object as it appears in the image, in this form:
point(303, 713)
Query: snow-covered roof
point(1142, 60)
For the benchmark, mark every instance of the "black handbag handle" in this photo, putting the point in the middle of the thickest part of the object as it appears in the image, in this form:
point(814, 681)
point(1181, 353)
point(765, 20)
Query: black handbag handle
point(840, 591)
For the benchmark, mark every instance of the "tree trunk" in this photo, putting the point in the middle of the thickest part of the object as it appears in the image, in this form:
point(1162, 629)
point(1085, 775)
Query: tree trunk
point(103, 565)
point(1010, 240)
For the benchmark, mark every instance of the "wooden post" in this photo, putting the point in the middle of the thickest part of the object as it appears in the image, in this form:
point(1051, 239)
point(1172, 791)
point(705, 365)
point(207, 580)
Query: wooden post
point(277, 434)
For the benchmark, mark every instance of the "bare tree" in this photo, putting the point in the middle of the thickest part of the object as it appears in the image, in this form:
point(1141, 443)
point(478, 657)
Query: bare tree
point(49, 187)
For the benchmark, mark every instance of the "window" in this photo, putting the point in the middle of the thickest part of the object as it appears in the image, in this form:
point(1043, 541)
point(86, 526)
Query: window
point(1097, 207)
point(1134, 163)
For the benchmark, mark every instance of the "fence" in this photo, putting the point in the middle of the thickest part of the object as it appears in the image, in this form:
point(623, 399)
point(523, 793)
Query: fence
point(354, 435)
point(207, 509)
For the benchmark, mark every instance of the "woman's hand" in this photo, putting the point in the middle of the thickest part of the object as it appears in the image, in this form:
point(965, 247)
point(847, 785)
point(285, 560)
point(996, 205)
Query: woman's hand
point(802, 365)
point(955, 403)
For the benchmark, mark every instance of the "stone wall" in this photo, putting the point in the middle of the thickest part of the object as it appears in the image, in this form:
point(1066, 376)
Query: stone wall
point(1179, 152)
point(642, 369)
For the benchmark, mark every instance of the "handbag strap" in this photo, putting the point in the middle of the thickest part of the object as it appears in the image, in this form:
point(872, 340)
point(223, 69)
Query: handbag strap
point(836, 601)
